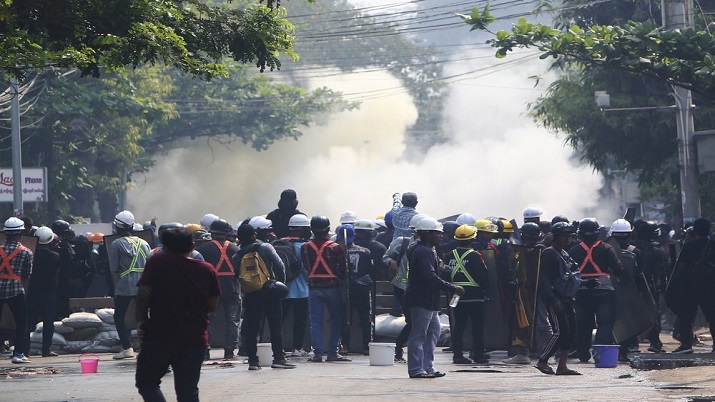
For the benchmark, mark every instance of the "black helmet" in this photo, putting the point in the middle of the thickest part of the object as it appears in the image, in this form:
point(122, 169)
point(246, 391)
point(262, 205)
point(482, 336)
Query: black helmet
point(60, 226)
point(276, 290)
point(221, 226)
point(647, 230)
point(588, 227)
point(449, 228)
point(319, 223)
point(169, 225)
point(530, 229)
point(562, 228)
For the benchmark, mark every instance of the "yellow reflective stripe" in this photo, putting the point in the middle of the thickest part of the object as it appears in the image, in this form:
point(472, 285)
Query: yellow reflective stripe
point(137, 251)
point(460, 268)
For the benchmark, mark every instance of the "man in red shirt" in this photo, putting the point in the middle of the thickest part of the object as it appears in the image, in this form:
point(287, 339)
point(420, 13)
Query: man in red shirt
point(180, 292)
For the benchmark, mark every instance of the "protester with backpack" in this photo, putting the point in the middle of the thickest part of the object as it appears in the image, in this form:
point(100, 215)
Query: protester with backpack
point(258, 268)
point(288, 248)
point(559, 281)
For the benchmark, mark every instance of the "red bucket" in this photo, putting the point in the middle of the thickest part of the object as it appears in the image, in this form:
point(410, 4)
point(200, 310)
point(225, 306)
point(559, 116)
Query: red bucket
point(89, 363)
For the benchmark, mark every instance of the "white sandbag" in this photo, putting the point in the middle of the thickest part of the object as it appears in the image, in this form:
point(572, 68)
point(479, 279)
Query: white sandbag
point(107, 327)
point(106, 315)
point(36, 348)
point(59, 328)
point(76, 346)
point(82, 320)
point(82, 334)
point(388, 325)
point(95, 347)
point(110, 338)
point(57, 339)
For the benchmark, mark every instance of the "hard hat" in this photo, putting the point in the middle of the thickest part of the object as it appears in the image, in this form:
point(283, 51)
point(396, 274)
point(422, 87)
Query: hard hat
point(45, 235)
point(60, 226)
point(508, 227)
point(621, 227)
point(13, 225)
point(97, 237)
point(319, 223)
point(466, 219)
point(345, 230)
point(415, 219)
point(429, 224)
point(170, 225)
point(124, 220)
point(485, 225)
point(260, 223)
point(465, 232)
point(381, 216)
point(647, 230)
point(221, 226)
point(192, 227)
point(380, 223)
point(364, 224)
point(348, 217)
point(530, 229)
point(299, 221)
point(562, 228)
point(276, 290)
point(532, 212)
point(137, 227)
point(201, 235)
point(207, 220)
point(588, 227)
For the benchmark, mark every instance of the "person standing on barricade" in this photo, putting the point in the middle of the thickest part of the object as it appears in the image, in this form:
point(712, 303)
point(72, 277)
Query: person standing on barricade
point(401, 217)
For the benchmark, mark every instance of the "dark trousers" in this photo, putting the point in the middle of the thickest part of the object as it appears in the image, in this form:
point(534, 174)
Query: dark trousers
point(589, 305)
point(153, 363)
point(42, 307)
point(654, 333)
point(405, 333)
point(473, 311)
point(563, 324)
point(363, 306)
point(256, 304)
point(300, 319)
point(17, 307)
point(701, 293)
point(121, 305)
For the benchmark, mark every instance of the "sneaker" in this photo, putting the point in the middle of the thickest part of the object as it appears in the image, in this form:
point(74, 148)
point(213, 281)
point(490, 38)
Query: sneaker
point(50, 354)
point(282, 364)
point(316, 359)
point(124, 354)
point(462, 360)
point(517, 359)
point(656, 349)
point(254, 366)
point(19, 359)
point(343, 351)
point(481, 360)
point(299, 353)
point(400, 359)
point(228, 355)
point(337, 358)
point(683, 349)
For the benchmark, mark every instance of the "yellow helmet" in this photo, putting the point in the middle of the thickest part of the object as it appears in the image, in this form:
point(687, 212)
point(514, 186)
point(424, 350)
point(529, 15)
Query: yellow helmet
point(485, 225)
point(192, 227)
point(508, 227)
point(465, 232)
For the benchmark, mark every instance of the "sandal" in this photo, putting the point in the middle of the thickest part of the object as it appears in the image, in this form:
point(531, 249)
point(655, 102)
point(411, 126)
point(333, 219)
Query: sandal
point(568, 372)
point(544, 368)
point(438, 374)
point(422, 375)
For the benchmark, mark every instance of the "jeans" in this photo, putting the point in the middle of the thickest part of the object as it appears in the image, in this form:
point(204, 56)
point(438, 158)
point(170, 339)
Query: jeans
point(300, 319)
point(475, 312)
point(256, 304)
point(17, 307)
point(333, 299)
point(121, 305)
point(43, 307)
point(422, 341)
point(601, 305)
point(231, 303)
point(153, 363)
point(363, 307)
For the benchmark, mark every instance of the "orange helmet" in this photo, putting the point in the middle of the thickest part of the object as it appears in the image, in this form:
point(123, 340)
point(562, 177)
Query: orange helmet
point(96, 237)
point(192, 227)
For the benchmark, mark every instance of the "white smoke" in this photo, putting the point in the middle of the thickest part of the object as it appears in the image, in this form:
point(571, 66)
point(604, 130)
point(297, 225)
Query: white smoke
point(497, 162)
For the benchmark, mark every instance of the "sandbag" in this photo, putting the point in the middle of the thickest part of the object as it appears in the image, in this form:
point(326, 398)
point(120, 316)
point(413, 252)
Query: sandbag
point(107, 327)
point(76, 346)
point(59, 328)
point(106, 315)
point(109, 338)
point(95, 347)
point(36, 348)
point(82, 334)
point(388, 325)
point(57, 339)
point(82, 320)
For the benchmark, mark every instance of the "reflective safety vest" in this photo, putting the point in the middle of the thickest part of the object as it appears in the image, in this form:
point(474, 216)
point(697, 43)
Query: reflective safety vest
point(589, 259)
point(461, 269)
point(136, 251)
point(6, 271)
point(223, 261)
point(320, 262)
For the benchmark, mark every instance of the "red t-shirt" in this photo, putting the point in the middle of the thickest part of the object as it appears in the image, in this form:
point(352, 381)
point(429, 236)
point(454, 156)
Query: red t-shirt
point(178, 311)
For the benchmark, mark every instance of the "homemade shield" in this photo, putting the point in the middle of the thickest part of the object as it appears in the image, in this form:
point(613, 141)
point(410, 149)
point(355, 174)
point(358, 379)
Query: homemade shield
point(496, 313)
point(524, 265)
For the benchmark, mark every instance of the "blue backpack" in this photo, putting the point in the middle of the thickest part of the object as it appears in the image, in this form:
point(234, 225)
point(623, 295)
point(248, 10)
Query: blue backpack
point(569, 279)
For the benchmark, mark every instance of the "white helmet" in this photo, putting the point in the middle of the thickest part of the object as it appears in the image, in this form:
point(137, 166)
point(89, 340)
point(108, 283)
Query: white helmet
point(137, 227)
point(45, 234)
point(380, 223)
point(207, 220)
point(124, 220)
point(13, 225)
point(429, 224)
point(299, 221)
point(364, 224)
point(621, 227)
point(415, 219)
point(466, 219)
point(348, 217)
point(259, 222)
point(532, 212)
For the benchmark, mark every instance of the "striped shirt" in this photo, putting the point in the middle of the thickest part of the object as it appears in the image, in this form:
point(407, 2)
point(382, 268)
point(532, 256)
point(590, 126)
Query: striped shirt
point(21, 265)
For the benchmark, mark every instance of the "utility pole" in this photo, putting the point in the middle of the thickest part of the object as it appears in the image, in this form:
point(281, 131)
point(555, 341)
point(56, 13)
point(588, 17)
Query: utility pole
point(678, 14)
point(16, 148)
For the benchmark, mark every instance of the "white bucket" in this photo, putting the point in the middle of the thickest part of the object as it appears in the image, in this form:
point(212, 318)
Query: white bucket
point(382, 354)
point(265, 354)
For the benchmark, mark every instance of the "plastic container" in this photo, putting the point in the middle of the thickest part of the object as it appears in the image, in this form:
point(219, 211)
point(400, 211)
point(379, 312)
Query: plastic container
point(265, 353)
point(454, 301)
point(606, 356)
point(382, 354)
point(89, 363)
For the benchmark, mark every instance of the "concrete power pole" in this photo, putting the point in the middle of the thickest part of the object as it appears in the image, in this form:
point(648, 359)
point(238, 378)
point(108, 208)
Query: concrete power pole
point(678, 14)
point(16, 144)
